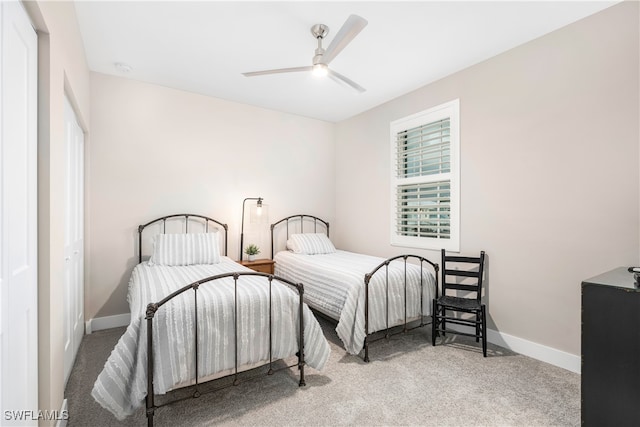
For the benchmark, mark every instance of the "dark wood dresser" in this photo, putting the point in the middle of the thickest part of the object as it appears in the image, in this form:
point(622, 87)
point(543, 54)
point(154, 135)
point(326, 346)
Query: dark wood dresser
point(611, 350)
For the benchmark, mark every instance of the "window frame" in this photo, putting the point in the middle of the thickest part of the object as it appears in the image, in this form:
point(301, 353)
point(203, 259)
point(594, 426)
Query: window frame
point(449, 110)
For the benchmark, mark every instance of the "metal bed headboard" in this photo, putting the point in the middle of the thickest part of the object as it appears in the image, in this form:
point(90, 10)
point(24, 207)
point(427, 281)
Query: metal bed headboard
point(195, 218)
point(299, 218)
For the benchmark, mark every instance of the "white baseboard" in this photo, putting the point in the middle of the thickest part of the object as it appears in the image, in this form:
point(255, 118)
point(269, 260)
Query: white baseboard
point(550, 355)
point(562, 359)
point(106, 322)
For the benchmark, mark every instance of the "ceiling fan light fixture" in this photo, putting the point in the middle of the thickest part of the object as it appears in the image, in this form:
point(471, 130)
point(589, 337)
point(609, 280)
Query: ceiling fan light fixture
point(320, 70)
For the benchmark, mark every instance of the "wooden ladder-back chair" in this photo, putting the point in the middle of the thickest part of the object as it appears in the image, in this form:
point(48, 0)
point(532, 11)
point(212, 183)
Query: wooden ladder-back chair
point(461, 273)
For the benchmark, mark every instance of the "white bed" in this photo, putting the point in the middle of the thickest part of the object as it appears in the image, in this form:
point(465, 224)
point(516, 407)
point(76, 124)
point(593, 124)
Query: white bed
point(122, 385)
point(335, 284)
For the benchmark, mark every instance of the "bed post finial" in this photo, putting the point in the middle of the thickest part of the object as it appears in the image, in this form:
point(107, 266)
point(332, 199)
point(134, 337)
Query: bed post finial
point(151, 310)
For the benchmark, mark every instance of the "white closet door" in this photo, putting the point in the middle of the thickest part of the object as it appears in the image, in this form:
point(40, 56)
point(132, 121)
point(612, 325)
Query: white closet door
point(74, 239)
point(18, 216)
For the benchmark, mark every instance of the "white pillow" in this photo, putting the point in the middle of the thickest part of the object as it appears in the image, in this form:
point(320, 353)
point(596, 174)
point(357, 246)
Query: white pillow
point(310, 244)
point(185, 249)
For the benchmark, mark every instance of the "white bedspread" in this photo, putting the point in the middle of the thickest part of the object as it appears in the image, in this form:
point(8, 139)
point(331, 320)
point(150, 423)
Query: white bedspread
point(121, 386)
point(334, 284)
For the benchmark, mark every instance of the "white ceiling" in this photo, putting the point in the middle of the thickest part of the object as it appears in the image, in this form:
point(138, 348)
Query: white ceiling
point(203, 47)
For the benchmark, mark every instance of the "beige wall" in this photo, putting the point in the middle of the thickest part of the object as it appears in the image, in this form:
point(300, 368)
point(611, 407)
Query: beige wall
point(157, 151)
point(62, 68)
point(550, 136)
point(549, 171)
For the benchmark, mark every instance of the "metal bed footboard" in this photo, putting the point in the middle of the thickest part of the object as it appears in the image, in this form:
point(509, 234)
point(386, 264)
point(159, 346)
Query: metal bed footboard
point(388, 330)
point(152, 308)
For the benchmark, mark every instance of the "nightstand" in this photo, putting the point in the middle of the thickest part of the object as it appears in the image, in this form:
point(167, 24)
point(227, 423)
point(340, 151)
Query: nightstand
point(261, 265)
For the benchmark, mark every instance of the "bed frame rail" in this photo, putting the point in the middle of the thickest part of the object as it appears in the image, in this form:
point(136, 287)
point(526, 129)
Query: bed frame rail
point(152, 308)
point(405, 326)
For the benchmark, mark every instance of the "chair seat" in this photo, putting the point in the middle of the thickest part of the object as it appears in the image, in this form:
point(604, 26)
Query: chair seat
point(459, 303)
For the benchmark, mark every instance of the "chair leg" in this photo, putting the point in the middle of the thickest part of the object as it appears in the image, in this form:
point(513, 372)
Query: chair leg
point(434, 320)
point(478, 326)
point(443, 322)
point(484, 330)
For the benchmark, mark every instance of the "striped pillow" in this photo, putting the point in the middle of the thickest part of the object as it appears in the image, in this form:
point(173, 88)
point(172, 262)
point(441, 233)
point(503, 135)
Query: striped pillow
point(185, 249)
point(310, 244)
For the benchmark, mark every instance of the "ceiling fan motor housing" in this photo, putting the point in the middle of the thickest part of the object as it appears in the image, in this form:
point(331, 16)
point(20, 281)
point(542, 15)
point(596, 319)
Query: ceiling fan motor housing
point(319, 31)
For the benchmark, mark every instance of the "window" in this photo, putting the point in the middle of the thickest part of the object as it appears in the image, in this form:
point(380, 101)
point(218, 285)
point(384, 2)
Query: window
point(425, 179)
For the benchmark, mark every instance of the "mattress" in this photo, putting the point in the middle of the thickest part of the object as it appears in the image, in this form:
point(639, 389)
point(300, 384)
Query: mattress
point(334, 285)
point(121, 386)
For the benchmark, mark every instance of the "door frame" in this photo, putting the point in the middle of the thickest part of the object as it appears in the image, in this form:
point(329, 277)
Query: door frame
point(18, 304)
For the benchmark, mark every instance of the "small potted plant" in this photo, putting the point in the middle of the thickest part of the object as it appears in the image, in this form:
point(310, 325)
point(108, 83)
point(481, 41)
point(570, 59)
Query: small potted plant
point(252, 250)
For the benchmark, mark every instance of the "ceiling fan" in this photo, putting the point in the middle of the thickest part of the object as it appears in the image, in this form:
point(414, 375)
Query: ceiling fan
point(320, 68)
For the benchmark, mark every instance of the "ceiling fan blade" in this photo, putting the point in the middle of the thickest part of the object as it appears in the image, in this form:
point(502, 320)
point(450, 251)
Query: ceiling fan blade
point(351, 28)
point(277, 71)
point(342, 79)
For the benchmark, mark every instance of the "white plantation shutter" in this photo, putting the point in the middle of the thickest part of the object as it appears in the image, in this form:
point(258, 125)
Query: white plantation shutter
point(424, 210)
point(425, 179)
point(424, 150)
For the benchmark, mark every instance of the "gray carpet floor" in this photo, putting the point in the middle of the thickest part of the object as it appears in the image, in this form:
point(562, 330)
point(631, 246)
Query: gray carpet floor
point(407, 383)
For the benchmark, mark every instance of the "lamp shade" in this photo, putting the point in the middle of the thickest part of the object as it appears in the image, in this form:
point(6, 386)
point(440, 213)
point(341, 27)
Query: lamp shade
point(259, 214)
